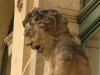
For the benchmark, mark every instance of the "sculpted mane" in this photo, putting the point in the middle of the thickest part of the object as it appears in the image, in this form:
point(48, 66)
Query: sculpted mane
point(38, 14)
point(46, 17)
point(46, 31)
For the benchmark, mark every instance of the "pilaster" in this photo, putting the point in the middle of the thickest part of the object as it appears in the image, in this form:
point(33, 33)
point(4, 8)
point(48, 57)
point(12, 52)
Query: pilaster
point(18, 39)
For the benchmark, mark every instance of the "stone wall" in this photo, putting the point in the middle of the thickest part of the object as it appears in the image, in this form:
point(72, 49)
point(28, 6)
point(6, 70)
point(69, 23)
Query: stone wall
point(92, 51)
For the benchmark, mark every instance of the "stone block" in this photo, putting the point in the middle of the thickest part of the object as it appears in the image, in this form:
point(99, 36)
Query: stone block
point(66, 4)
point(70, 18)
point(94, 43)
point(73, 27)
point(93, 55)
point(63, 11)
point(41, 6)
point(77, 39)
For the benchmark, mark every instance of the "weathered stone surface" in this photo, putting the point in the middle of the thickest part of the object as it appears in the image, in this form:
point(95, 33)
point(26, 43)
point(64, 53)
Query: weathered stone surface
point(46, 31)
point(70, 14)
point(40, 64)
point(8, 66)
point(71, 18)
point(76, 37)
point(94, 41)
point(73, 27)
point(63, 11)
point(93, 55)
point(8, 41)
point(32, 65)
point(66, 4)
point(18, 41)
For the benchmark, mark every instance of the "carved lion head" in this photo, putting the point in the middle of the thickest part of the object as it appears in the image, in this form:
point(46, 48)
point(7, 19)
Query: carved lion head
point(43, 28)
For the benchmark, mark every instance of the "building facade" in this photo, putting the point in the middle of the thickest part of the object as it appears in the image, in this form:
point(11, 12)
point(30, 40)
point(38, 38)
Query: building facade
point(83, 22)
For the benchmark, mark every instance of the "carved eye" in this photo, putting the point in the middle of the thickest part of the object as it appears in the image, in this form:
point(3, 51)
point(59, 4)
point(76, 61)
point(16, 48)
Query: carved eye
point(31, 34)
point(47, 18)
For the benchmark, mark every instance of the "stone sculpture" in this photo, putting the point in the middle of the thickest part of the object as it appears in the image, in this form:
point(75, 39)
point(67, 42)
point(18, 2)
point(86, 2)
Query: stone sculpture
point(47, 32)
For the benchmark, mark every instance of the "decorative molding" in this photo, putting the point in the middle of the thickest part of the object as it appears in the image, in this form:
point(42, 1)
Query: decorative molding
point(19, 5)
point(89, 31)
point(89, 20)
point(87, 10)
point(8, 41)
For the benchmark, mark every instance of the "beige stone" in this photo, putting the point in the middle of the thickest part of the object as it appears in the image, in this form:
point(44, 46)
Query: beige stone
point(70, 14)
point(64, 11)
point(29, 5)
point(73, 27)
point(93, 43)
point(93, 54)
point(65, 4)
point(26, 56)
point(40, 64)
point(36, 3)
point(76, 37)
point(41, 6)
point(71, 18)
point(9, 42)
point(92, 51)
point(32, 65)
point(18, 41)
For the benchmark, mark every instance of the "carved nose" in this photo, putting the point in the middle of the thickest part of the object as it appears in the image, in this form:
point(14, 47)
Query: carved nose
point(28, 43)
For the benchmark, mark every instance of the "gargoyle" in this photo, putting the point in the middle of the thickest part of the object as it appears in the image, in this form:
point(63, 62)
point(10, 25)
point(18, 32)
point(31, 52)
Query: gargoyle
point(47, 32)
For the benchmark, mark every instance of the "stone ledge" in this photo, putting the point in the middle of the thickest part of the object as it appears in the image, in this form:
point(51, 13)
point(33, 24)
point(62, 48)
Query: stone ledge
point(61, 10)
point(8, 39)
point(66, 4)
point(73, 27)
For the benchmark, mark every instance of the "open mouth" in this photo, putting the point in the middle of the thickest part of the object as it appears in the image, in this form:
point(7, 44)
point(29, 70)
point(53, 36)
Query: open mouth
point(37, 47)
